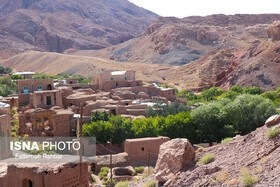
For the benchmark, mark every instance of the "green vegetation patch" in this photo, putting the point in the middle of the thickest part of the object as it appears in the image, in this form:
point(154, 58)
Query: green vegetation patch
point(122, 184)
point(272, 132)
point(226, 140)
point(151, 183)
point(103, 173)
point(139, 169)
point(207, 158)
point(247, 178)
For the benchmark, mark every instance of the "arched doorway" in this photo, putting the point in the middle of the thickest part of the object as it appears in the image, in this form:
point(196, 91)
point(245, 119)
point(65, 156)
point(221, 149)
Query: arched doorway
point(27, 183)
point(49, 87)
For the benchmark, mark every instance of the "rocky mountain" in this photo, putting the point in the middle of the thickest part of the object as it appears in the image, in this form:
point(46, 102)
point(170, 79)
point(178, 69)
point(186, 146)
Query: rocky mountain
point(57, 25)
point(259, 65)
point(177, 41)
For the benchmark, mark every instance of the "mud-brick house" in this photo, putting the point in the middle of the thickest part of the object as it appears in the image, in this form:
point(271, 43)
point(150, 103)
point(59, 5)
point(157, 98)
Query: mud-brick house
point(138, 149)
point(110, 80)
point(27, 87)
point(44, 174)
point(5, 130)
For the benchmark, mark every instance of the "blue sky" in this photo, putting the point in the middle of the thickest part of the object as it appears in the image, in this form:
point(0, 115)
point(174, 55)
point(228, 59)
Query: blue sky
point(184, 8)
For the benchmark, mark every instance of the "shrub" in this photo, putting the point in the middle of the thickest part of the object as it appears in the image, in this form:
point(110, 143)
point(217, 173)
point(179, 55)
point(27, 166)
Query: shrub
point(148, 172)
point(107, 182)
point(139, 169)
point(13, 112)
point(93, 180)
point(272, 132)
point(226, 140)
point(247, 178)
point(162, 109)
point(212, 93)
point(122, 184)
point(151, 183)
point(103, 173)
point(207, 158)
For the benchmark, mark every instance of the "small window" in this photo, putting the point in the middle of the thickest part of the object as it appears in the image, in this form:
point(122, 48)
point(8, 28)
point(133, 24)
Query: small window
point(40, 88)
point(25, 89)
point(3, 141)
point(112, 78)
point(174, 93)
point(125, 78)
point(70, 82)
point(142, 149)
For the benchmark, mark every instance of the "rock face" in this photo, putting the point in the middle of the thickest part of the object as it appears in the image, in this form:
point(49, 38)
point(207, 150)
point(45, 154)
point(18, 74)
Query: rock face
point(274, 31)
point(174, 155)
point(273, 120)
point(55, 26)
point(180, 41)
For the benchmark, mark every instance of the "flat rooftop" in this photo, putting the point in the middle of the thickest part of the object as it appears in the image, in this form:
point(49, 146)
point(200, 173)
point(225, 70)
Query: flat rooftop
point(146, 139)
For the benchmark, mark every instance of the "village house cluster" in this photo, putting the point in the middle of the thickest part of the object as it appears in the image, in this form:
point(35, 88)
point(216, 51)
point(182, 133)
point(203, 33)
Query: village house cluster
point(49, 108)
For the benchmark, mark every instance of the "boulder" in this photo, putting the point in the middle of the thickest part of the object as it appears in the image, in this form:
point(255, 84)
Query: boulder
point(174, 155)
point(120, 171)
point(273, 120)
point(274, 31)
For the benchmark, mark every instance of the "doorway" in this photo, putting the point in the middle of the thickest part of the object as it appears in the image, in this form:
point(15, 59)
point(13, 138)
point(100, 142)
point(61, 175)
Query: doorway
point(49, 100)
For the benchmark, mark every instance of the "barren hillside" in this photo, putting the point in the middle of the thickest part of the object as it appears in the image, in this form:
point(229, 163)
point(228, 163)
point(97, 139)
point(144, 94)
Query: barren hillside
point(57, 25)
point(54, 63)
point(253, 152)
point(177, 41)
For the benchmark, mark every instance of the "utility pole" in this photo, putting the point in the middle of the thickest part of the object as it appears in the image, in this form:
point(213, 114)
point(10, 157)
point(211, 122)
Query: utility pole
point(111, 165)
point(80, 138)
point(149, 159)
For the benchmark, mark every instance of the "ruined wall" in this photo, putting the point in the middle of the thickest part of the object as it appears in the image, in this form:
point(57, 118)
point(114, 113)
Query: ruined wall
point(66, 175)
point(169, 94)
point(39, 99)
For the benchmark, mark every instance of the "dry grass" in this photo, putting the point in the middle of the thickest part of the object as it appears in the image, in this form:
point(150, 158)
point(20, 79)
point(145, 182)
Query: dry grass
point(232, 182)
point(264, 159)
point(258, 169)
point(247, 178)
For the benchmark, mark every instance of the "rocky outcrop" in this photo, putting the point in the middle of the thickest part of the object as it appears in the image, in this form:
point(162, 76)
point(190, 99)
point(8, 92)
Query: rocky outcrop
point(274, 31)
point(177, 41)
point(273, 120)
point(174, 155)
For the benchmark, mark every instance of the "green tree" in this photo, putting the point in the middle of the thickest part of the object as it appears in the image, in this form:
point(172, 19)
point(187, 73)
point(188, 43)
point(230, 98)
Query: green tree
point(212, 93)
point(211, 121)
point(16, 77)
point(247, 112)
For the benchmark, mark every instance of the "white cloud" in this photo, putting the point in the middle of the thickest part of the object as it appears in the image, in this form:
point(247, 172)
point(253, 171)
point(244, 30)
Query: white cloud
point(184, 8)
